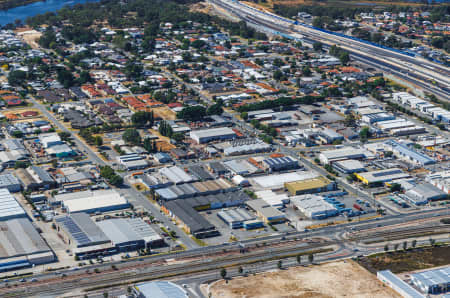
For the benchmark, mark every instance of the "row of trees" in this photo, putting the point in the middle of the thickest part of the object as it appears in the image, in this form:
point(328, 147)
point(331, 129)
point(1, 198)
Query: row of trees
point(279, 102)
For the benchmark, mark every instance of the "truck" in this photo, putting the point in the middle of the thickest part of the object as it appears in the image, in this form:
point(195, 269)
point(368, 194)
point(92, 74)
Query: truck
point(357, 207)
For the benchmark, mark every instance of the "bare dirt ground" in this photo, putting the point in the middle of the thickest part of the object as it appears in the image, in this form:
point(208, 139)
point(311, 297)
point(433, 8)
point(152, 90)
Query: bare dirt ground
point(30, 37)
point(165, 113)
point(337, 279)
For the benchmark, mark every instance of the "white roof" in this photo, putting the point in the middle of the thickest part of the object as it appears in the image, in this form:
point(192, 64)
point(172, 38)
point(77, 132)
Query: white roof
point(97, 200)
point(9, 207)
point(278, 180)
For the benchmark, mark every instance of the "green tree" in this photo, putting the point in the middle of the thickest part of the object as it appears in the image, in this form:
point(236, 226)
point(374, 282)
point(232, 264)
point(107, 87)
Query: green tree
point(223, 273)
point(131, 136)
point(192, 113)
point(244, 115)
point(165, 129)
point(280, 264)
point(17, 77)
point(364, 133)
point(98, 141)
point(178, 137)
point(317, 46)
point(414, 243)
point(215, 109)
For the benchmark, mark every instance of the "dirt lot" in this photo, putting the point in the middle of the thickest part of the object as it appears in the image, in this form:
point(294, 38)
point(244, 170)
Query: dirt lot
point(30, 36)
point(397, 262)
point(165, 113)
point(338, 279)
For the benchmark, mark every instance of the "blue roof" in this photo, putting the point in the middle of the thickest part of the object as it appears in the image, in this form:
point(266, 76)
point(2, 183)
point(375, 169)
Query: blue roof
point(161, 289)
point(412, 154)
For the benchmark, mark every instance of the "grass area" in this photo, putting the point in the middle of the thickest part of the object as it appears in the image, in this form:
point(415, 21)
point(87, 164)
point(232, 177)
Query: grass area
point(199, 242)
point(409, 260)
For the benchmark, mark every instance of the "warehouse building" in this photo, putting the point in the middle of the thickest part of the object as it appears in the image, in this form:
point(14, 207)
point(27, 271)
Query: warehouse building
point(9, 207)
point(185, 211)
point(268, 213)
point(435, 281)
point(92, 201)
point(159, 289)
point(218, 168)
point(314, 185)
point(423, 193)
point(21, 245)
point(330, 156)
point(382, 176)
point(277, 181)
point(128, 234)
point(245, 146)
point(280, 164)
point(35, 178)
point(314, 206)
point(241, 167)
point(189, 190)
point(272, 198)
point(176, 175)
point(200, 172)
point(212, 134)
point(349, 166)
point(235, 218)
point(79, 230)
point(10, 182)
point(404, 152)
point(132, 161)
point(398, 285)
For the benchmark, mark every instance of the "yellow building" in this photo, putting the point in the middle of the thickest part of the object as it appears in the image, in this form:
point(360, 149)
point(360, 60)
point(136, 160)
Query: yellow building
point(313, 185)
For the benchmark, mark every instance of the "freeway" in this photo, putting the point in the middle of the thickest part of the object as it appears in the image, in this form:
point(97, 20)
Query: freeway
point(127, 190)
point(417, 71)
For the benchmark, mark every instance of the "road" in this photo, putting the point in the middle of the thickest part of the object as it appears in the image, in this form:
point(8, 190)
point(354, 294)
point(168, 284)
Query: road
point(258, 258)
point(127, 190)
point(415, 70)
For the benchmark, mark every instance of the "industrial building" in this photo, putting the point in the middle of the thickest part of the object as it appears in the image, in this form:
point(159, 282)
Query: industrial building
point(245, 146)
point(212, 134)
point(235, 218)
point(277, 181)
point(381, 176)
point(176, 175)
point(9, 207)
point(330, 156)
point(21, 245)
point(128, 234)
point(435, 281)
point(10, 182)
point(268, 213)
point(272, 198)
point(218, 168)
point(159, 289)
point(189, 190)
point(241, 181)
point(241, 167)
point(132, 161)
point(79, 230)
point(404, 152)
point(398, 285)
point(314, 206)
point(314, 185)
point(441, 180)
point(92, 201)
point(185, 211)
point(200, 172)
point(280, 163)
point(349, 166)
point(35, 178)
point(423, 193)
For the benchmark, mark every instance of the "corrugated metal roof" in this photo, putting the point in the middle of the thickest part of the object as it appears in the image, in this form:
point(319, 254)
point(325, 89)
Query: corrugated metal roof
point(161, 289)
